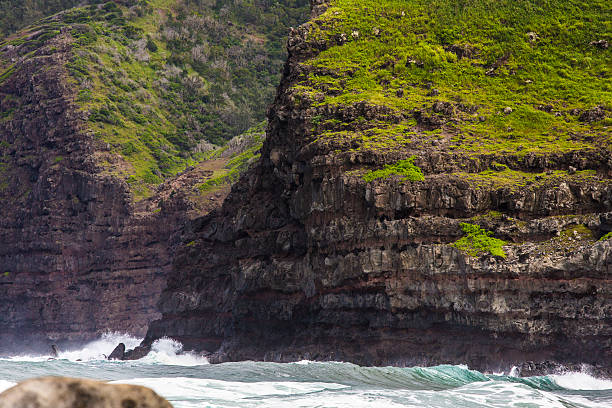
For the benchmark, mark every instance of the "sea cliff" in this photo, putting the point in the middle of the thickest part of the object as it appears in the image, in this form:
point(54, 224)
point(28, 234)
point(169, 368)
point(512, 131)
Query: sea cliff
point(333, 247)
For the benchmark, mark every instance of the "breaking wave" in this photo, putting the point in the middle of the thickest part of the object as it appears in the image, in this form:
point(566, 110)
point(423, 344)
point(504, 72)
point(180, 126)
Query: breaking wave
point(170, 352)
point(188, 381)
point(163, 351)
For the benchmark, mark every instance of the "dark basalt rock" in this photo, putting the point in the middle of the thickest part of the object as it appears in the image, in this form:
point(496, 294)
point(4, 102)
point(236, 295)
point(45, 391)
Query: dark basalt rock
point(305, 260)
point(532, 369)
point(137, 353)
point(593, 115)
point(78, 256)
point(118, 352)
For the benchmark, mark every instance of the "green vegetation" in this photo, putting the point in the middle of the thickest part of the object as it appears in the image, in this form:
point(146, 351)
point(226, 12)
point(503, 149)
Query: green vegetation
point(15, 14)
point(517, 180)
point(496, 76)
point(237, 49)
point(607, 236)
point(479, 241)
point(405, 168)
point(253, 139)
point(162, 79)
point(568, 240)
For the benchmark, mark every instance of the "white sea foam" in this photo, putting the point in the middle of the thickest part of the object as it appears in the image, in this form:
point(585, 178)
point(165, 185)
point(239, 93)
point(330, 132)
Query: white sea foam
point(189, 389)
point(163, 352)
point(5, 385)
point(581, 381)
point(95, 350)
point(195, 393)
point(26, 358)
point(101, 348)
point(170, 352)
point(304, 362)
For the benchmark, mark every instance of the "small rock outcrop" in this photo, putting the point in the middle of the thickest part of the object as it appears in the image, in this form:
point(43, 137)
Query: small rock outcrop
point(118, 353)
point(59, 392)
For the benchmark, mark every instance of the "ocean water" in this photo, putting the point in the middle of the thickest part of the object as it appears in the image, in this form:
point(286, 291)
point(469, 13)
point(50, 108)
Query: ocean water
point(188, 381)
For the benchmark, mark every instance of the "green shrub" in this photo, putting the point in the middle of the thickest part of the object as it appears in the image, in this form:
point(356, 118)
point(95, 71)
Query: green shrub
point(607, 236)
point(479, 241)
point(151, 46)
point(406, 168)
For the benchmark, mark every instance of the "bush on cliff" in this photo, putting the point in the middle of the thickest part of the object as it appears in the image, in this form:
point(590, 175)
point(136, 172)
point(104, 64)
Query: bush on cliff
point(479, 241)
point(405, 168)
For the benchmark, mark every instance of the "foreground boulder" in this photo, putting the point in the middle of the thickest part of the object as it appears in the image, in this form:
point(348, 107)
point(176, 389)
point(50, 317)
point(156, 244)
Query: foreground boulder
point(60, 392)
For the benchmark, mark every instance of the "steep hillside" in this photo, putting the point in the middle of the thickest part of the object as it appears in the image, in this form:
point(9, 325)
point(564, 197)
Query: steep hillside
point(104, 153)
point(435, 187)
point(16, 14)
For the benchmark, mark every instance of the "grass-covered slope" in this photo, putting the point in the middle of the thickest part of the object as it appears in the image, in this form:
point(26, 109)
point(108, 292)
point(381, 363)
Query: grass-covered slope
point(162, 80)
point(15, 14)
point(506, 77)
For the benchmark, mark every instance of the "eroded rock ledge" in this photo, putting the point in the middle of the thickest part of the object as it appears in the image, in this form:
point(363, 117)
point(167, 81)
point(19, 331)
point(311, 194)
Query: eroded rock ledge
point(305, 260)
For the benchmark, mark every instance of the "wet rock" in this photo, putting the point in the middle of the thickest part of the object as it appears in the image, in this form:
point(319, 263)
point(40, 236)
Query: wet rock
point(118, 353)
point(137, 353)
point(59, 392)
point(541, 368)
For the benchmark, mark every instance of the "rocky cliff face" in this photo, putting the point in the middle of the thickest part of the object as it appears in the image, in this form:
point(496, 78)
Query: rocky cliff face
point(78, 255)
point(107, 123)
point(308, 260)
point(73, 246)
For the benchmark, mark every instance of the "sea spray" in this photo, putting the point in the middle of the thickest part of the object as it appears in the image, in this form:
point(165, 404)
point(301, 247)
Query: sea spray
point(170, 352)
point(581, 381)
point(101, 348)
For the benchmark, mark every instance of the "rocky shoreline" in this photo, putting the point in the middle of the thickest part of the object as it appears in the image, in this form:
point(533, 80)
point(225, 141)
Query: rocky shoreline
point(307, 258)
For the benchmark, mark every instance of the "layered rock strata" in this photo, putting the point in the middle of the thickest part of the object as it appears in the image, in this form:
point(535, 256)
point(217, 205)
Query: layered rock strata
point(78, 256)
point(306, 260)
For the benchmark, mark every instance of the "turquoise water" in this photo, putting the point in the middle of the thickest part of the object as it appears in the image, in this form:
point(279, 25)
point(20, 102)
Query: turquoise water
point(188, 381)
